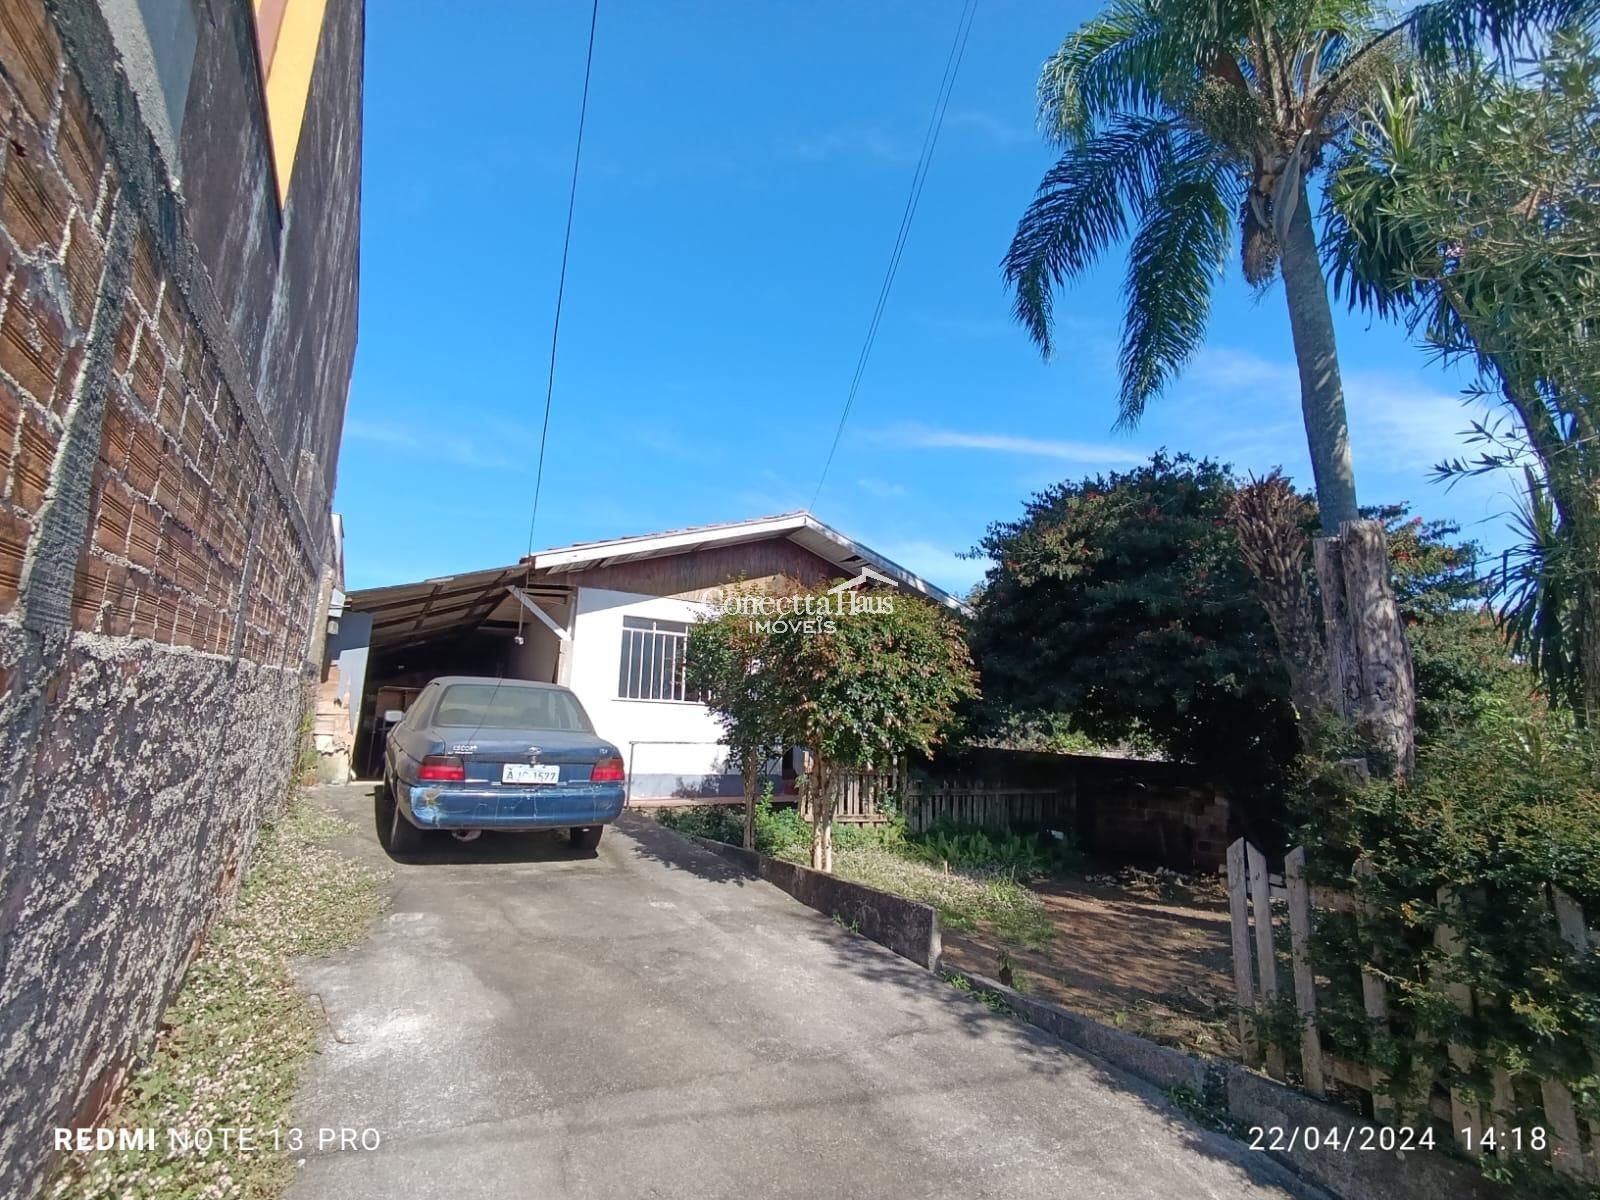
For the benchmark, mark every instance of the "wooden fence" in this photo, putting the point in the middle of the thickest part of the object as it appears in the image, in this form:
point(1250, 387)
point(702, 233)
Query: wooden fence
point(985, 805)
point(861, 797)
point(1251, 893)
point(867, 797)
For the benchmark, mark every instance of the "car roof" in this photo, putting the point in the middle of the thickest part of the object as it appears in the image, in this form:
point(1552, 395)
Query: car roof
point(490, 679)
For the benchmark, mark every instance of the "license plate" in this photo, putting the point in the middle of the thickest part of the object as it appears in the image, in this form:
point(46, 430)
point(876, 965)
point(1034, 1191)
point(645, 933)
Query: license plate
point(523, 773)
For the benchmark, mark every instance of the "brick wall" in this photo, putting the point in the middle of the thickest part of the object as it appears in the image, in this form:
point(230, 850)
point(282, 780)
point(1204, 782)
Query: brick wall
point(162, 545)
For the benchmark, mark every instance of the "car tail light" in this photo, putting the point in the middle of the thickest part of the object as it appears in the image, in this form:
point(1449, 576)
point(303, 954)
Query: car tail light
point(607, 770)
point(442, 768)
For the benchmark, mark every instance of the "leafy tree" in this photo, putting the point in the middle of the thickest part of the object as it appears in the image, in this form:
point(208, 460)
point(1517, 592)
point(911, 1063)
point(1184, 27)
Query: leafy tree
point(1182, 119)
point(1119, 606)
point(876, 676)
point(1463, 664)
point(1468, 204)
point(724, 665)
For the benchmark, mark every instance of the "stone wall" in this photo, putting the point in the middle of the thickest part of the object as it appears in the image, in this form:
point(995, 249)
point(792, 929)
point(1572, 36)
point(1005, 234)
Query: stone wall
point(164, 528)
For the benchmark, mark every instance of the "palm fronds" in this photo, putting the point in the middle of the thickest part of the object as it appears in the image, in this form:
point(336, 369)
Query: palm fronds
point(1535, 593)
point(1081, 209)
point(1174, 262)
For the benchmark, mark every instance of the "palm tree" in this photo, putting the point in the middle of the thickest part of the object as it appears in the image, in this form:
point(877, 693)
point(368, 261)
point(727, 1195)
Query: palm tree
point(1466, 208)
point(1184, 119)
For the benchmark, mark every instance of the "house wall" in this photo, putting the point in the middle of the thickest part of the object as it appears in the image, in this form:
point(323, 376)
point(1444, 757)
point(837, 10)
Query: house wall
point(164, 526)
point(338, 701)
point(656, 770)
point(669, 588)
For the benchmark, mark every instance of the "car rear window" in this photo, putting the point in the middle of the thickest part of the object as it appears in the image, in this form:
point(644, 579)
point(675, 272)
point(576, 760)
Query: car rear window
point(490, 706)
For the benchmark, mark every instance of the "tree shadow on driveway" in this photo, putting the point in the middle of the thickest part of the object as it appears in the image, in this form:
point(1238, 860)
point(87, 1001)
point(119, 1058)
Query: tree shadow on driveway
point(657, 843)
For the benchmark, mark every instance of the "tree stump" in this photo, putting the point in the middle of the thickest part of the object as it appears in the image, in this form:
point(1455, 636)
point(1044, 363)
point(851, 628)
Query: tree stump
point(1370, 676)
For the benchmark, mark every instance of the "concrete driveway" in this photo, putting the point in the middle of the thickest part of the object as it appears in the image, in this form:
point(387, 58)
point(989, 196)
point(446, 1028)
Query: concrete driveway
point(528, 1021)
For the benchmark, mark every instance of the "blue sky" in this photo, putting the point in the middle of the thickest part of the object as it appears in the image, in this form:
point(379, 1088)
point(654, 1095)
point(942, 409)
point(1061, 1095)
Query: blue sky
point(744, 172)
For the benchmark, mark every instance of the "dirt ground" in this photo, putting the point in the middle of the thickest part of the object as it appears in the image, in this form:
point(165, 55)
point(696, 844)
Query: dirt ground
point(1144, 954)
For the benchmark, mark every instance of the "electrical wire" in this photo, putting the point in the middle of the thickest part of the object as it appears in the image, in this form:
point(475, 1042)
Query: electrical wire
point(930, 139)
point(561, 291)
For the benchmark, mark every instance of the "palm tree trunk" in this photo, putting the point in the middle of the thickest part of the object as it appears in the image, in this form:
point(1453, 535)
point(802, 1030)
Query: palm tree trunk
point(1321, 391)
point(1370, 674)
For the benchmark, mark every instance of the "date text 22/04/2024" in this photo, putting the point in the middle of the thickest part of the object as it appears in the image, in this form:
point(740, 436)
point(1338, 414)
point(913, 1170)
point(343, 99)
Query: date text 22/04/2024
point(1286, 1140)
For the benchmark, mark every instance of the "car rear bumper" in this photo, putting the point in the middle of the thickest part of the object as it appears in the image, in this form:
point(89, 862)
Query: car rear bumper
point(476, 806)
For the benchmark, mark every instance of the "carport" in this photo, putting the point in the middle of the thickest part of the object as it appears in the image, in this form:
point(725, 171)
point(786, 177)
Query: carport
point(497, 622)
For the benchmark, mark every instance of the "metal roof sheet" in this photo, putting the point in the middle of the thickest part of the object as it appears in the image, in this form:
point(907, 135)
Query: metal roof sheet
point(411, 612)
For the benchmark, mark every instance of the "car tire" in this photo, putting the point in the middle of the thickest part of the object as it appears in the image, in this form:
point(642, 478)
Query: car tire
point(587, 838)
point(382, 812)
point(396, 834)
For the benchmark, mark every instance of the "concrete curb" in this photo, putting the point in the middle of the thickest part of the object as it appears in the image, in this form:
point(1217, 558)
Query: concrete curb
point(1253, 1101)
point(910, 929)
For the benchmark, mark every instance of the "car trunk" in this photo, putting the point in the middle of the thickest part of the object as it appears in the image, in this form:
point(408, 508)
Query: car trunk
point(491, 749)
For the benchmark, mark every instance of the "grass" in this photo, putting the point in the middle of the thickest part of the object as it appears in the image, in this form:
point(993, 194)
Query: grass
point(991, 1000)
point(234, 1040)
point(975, 880)
point(966, 899)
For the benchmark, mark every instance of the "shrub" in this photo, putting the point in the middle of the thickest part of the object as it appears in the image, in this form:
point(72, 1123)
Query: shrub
point(1022, 856)
point(1498, 808)
point(719, 823)
point(779, 829)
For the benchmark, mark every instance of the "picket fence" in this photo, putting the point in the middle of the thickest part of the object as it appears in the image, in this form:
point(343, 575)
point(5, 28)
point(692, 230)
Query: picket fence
point(861, 797)
point(1251, 891)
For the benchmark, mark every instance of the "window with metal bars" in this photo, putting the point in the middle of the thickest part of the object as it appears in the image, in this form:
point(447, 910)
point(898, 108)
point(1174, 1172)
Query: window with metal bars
point(652, 666)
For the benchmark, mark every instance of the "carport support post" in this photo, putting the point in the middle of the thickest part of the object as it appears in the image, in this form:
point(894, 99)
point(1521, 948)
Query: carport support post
point(564, 645)
point(563, 633)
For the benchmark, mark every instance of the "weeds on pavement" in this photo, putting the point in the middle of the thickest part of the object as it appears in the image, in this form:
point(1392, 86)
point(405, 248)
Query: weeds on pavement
point(234, 1040)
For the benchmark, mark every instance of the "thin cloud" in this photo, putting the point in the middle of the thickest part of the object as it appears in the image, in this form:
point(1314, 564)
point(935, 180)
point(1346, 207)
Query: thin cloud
point(992, 129)
point(880, 487)
point(851, 141)
point(925, 437)
point(453, 447)
point(379, 432)
point(1397, 422)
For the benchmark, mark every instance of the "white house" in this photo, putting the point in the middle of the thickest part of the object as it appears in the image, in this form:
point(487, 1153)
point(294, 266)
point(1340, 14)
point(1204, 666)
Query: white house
point(610, 620)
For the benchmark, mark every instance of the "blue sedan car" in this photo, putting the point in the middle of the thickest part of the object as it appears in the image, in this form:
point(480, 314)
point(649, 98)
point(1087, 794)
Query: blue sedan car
point(475, 754)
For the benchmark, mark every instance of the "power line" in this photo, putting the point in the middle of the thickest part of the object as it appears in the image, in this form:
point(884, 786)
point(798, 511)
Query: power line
point(561, 285)
point(930, 139)
point(561, 291)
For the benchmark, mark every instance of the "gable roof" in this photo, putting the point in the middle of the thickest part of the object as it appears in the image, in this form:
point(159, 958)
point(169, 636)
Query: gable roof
point(800, 527)
point(411, 612)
